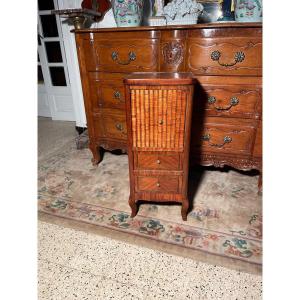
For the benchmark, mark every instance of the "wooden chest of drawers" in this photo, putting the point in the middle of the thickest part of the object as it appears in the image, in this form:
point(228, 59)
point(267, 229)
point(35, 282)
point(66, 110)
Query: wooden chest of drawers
point(158, 113)
point(226, 60)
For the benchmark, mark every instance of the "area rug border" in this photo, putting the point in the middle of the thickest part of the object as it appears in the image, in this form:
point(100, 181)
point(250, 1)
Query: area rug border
point(233, 246)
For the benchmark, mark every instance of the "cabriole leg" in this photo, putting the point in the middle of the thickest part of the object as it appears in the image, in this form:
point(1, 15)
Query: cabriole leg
point(260, 181)
point(96, 154)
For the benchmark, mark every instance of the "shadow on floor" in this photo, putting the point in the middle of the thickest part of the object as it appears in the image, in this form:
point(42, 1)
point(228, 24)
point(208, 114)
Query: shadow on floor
point(196, 176)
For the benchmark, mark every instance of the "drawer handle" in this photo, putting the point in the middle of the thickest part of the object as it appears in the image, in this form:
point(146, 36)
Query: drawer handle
point(158, 161)
point(131, 57)
point(226, 140)
point(119, 126)
point(161, 122)
point(117, 94)
point(233, 102)
point(158, 184)
point(238, 57)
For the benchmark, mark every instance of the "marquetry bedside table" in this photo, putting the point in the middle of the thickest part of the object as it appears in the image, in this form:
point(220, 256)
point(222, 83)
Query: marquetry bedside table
point(158, 114)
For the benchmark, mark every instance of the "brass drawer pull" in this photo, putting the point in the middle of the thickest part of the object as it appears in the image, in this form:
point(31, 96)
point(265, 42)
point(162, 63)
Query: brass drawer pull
point(158, 161)
point(158, 184)
point(119, 126)
point(131, 57)
point(227, 139)
point(233, 102)
point(161, 122)
point(117, 94)
point(238, 57)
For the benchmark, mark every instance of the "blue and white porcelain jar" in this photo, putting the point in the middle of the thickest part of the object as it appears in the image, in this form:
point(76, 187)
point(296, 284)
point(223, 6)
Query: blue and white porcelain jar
point(128, 13)
point(248, 10)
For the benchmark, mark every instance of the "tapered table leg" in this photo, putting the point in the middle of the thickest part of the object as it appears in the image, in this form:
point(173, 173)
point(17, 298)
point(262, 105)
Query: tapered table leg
point(133, 207)
point(184, 209)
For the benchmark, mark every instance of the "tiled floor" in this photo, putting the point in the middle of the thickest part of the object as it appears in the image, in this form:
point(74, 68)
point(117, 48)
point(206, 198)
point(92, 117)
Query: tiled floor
point(79, 265)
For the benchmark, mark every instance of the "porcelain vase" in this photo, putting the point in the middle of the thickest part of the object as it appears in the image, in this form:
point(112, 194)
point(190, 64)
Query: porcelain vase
point(128, 13)
point(248, 10)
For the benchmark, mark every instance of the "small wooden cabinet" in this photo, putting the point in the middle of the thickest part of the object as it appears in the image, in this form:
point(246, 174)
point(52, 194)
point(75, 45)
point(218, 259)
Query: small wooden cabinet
point(159, 114)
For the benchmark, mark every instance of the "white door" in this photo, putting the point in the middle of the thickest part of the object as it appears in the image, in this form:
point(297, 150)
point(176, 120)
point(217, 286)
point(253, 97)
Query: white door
point(43, 103)
point(54, 92)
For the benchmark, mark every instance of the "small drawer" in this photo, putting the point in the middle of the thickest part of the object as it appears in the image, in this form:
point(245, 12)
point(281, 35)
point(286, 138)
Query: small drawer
point(106, 92)
point(232, 97)
point(225, 56)
point(114, 124)
point(112, 96)
point(158, 161)
point(230, 136)
point(123, 55)
point(107, 96)
point(169, 184)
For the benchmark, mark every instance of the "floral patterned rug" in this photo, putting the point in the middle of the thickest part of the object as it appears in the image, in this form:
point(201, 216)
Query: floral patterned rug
point(226, 218)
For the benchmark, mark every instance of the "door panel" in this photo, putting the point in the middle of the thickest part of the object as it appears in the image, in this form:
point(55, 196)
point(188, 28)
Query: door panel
point(53, 78)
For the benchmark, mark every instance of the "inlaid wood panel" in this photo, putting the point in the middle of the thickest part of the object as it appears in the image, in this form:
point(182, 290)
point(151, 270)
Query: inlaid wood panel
point(158, 117)
point(169, 184)
point(160, 196)
point(158, 161)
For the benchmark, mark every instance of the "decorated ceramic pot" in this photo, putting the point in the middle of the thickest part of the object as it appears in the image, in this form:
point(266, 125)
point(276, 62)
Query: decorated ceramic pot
point(128, 13)
point(248, 10)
